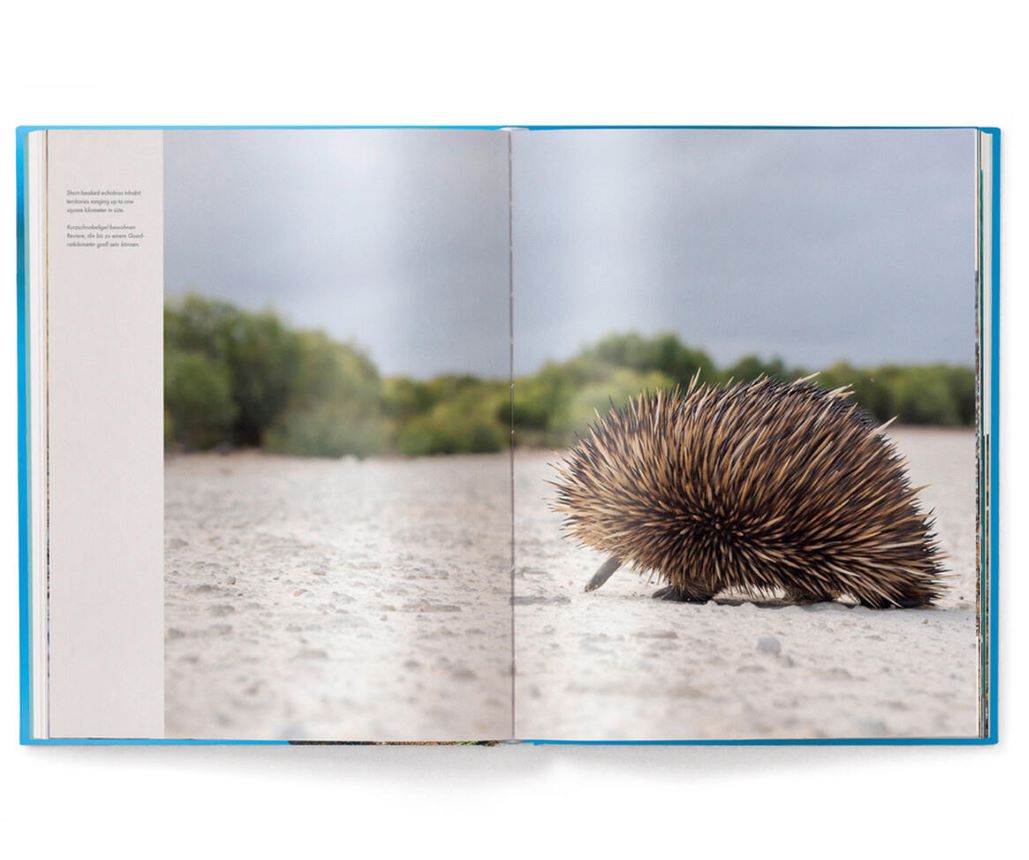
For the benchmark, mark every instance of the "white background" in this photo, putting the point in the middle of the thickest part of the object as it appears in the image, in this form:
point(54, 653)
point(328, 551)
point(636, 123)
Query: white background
point(520, 63)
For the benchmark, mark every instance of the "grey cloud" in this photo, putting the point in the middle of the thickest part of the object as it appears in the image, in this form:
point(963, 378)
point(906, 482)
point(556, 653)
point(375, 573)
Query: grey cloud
point(393, 239)
point(810, 245)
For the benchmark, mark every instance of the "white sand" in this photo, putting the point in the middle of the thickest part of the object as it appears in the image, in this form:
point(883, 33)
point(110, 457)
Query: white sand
point(616, 664)
point(344, 600)
point(337, 600)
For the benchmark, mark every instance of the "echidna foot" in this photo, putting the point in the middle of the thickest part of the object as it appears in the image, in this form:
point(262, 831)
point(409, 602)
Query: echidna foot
point(804, 597)
point(908, 602)
point(679, 595)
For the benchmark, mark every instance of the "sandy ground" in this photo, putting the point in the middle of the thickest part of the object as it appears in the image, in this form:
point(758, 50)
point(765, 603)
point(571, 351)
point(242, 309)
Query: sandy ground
point(615, 664)
point(315, 599)
point(337, 600)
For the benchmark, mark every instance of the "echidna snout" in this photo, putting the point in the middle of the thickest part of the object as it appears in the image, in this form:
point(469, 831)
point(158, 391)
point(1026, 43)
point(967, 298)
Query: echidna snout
point(764, 487)
point(603, 573)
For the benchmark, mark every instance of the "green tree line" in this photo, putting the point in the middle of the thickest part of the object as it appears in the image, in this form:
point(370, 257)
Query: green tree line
point(236, 378)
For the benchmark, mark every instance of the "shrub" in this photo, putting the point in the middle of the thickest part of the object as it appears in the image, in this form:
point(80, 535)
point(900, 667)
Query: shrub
point(198, 400)
point(243, 378)
point(750, 367)
point(333, 405)
point(663, 353)
point(598, 397)
point(466, 423)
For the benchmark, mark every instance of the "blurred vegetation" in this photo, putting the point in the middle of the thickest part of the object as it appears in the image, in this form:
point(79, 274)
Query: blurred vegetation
point(236, 378)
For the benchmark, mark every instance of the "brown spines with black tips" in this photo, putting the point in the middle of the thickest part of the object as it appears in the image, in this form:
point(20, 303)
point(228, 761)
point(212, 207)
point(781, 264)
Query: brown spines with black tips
point(765, 487)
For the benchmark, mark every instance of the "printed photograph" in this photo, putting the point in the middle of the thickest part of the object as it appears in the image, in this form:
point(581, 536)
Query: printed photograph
point(579, 435)
point(745, 407)
point(337, 496)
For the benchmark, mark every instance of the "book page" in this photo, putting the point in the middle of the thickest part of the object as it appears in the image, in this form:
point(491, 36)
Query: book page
point(675, 290)
point(99, 337)
point(337, 482)
point(278, 503)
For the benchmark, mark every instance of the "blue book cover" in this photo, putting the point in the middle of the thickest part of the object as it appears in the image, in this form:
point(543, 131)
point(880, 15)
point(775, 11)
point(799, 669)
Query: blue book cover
point(592, 435)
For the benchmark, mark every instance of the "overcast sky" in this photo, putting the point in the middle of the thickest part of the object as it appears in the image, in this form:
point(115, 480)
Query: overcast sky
point(810, 245)
point(396, 240)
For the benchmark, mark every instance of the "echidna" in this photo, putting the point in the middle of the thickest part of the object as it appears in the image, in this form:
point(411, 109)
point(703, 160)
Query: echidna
point(765, 487)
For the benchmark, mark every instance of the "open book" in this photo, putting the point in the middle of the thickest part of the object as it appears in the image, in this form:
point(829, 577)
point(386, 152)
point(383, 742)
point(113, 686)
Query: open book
point(396, 434)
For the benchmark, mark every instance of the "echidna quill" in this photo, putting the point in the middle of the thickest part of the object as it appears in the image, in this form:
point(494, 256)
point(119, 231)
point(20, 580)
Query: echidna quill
point(775, 489)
